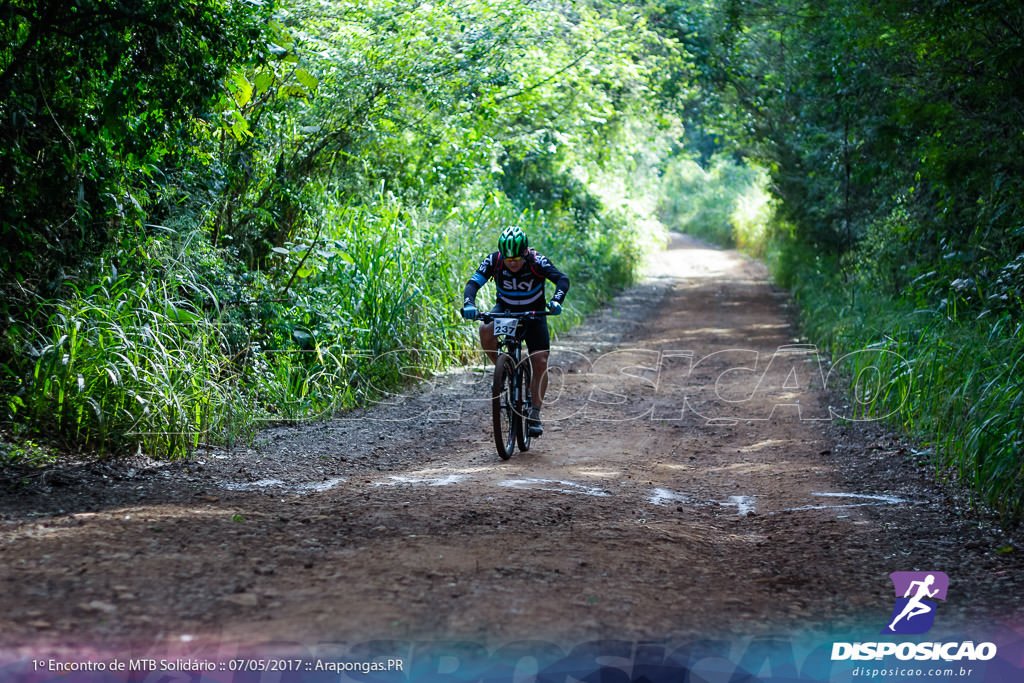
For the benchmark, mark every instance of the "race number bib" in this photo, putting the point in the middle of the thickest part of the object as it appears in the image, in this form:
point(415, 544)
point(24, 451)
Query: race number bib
point(505, 326)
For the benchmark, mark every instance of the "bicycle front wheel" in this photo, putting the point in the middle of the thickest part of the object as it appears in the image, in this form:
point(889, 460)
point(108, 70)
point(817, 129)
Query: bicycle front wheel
point(524, 400)
point(503, 406)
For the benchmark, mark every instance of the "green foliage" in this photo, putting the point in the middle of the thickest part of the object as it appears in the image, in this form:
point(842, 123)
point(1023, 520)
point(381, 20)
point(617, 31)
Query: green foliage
point(97, 99)
point(955, 383)
point(428, 100)
point(888, 133)
point(127, 362)
point(268, 212)
point(726, 203)
point(26, 452)
point(892, 139)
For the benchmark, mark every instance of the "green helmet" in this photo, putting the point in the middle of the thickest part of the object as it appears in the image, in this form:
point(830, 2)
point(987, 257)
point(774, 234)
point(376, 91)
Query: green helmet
point(512, 242)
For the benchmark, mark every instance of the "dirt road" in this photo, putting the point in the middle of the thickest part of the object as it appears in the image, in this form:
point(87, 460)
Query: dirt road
point(693, 482)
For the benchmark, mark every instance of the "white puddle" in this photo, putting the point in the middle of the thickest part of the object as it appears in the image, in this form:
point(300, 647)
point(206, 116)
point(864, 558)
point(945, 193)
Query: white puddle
point(892, 500)
point(744, 504)
point(318, 486)
point(396, 480)
point(305, 487)
point(875, 500)
point(254, 485)
point(552, 485)
point(666, 497)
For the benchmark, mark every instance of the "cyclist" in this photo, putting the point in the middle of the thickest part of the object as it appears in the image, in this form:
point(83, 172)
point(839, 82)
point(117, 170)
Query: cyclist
point(519, 274)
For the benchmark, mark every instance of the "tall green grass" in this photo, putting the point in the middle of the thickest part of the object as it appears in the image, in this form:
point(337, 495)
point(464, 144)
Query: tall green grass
point(956, 383)
point(379, 303)
point(125, 363)
point(186, 350)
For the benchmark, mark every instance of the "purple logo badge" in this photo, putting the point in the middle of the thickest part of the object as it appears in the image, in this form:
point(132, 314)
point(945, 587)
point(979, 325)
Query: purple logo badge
point(914, 611)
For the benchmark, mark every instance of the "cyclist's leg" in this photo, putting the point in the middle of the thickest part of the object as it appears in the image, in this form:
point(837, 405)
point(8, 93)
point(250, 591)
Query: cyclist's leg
point(538, 343)
point(539, 382)
point(488, 340)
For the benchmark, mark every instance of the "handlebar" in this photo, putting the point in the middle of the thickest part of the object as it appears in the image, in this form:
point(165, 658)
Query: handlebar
point(520, 315)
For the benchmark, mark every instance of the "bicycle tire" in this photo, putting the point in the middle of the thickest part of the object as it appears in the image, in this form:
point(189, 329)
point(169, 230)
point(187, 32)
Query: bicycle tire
point(503, 397)
point(524, 379)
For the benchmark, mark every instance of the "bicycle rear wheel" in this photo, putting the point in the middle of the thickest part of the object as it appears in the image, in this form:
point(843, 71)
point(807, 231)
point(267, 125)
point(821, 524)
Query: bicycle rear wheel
point(503, 406)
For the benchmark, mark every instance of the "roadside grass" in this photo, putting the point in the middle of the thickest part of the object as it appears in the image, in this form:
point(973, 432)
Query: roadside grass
point(180, 350)
point(954, 383)
point(124, 363)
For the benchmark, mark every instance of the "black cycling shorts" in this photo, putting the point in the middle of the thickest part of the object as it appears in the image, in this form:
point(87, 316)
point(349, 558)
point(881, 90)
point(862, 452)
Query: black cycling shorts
point(537, 336)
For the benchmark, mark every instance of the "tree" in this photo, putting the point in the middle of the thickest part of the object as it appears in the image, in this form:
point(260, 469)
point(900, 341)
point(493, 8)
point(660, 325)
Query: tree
point(97, 100)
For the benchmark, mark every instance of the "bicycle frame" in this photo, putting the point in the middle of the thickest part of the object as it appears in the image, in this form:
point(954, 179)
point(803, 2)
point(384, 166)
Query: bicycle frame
point(511, 397)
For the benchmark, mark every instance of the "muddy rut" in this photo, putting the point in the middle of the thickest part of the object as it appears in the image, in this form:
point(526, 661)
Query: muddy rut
point(699, 477)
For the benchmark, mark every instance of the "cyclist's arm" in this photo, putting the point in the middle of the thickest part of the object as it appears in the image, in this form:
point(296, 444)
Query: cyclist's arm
point(561, 287)
point(479, 279)
point(560, 279)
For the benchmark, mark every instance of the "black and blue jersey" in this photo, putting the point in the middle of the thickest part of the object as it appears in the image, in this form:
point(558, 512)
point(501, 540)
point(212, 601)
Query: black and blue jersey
point(521, 291)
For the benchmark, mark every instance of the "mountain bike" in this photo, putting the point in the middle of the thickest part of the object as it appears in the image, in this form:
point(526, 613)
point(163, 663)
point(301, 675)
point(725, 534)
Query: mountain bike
point(511, 396)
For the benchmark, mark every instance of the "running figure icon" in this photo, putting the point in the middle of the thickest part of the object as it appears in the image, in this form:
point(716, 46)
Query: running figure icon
point(915, 611)
point(915, 607)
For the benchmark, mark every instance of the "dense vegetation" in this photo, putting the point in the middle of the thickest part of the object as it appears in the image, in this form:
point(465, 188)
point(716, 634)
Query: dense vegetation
point(216, 213)
point(893, 137)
